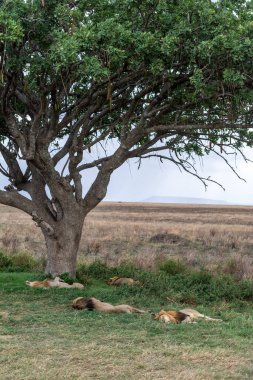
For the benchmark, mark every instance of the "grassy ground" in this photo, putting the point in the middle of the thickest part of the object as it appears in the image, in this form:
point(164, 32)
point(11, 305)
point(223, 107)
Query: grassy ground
point(42, 337)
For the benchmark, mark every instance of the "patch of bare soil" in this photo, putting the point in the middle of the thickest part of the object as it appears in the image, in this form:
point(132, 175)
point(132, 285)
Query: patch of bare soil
point(6, 337)
point(4, 315)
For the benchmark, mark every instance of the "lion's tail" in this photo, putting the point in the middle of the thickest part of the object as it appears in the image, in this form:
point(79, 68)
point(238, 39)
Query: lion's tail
point(212, 319)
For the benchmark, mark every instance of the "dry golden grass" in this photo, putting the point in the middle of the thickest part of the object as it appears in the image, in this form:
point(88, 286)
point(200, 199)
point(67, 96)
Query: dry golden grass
point(212, 237)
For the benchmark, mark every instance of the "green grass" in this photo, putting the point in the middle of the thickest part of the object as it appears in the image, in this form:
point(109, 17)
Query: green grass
point(187, 286)
point(42, 337)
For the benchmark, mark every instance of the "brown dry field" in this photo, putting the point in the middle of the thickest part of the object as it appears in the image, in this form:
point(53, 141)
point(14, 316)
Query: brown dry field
point(218, 238)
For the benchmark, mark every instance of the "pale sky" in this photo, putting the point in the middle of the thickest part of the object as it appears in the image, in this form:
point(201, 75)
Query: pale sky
point(156, 179)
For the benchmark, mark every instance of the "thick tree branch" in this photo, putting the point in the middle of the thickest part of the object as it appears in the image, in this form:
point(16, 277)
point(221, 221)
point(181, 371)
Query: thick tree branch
point(93, 164)
point(13, 199)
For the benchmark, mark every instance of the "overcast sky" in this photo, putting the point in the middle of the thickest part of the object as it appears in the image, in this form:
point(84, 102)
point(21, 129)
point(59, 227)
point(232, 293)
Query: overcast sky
point(156, 179)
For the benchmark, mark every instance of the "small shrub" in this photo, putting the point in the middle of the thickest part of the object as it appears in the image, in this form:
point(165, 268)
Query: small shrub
point(24, 262)
point(99, 270)
point(202, 277)
point(82, 276)
point(67, 278)
point(126, 269)
point(5, 261)
point(173, 267)
point(19, 262)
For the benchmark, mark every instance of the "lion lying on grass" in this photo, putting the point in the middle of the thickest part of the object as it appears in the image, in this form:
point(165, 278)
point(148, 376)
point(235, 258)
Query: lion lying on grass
point(56, 283)
point(182, 316)
point(122, 281)
point(94, 304)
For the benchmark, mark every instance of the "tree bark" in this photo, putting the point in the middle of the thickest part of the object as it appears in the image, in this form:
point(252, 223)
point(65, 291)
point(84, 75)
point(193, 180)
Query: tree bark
point(62, 247)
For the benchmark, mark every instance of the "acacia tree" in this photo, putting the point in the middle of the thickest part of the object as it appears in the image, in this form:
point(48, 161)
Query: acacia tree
point(169, 79)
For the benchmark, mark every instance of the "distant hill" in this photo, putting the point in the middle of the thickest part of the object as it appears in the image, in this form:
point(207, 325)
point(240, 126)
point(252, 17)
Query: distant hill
point(185, 200)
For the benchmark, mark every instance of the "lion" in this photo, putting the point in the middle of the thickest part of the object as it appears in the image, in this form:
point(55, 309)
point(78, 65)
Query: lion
point(171, 316)
point(182, 316)
point(47, 283)
point(122, 281)
point(93, 303)
point(56, 283)
point(75, 285)
point(194, 314)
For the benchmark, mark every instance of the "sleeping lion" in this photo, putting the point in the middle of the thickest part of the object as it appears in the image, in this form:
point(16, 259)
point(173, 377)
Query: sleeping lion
point(56, 283)
point(182, 316)
point(93, 303)
point(47, 283)
point(122, 281)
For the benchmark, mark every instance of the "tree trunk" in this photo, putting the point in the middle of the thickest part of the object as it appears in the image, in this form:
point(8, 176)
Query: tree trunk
point(62, 248)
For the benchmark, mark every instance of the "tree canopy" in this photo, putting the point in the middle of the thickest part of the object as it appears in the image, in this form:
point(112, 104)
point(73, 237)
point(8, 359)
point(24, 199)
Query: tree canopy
point(165, 78)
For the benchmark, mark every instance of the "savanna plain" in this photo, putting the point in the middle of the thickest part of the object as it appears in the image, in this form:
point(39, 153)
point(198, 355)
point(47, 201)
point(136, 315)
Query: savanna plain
point(183, 256)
